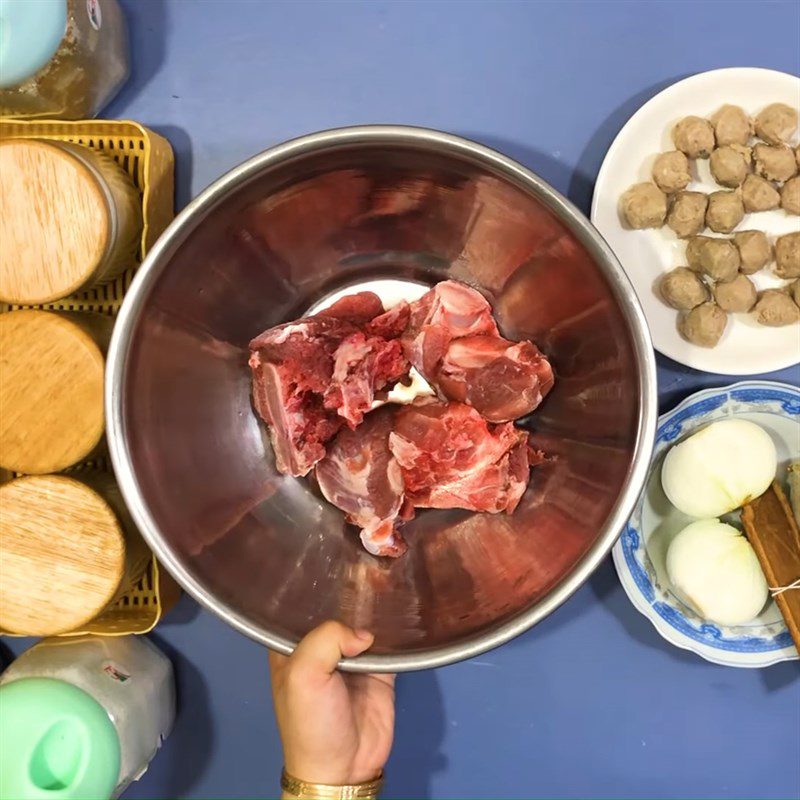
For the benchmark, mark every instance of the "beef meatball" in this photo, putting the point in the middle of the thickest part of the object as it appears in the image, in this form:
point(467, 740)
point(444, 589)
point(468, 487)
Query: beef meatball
point(693, 252)
point(790, 196)
point(731, 126)
point(671, 171)
point(644, 205)
point(776, 123)
point(736, 296)
point(719, 259)
point(759, 195)
point(687, 213)
point(787, 255)
point(755, 251)
point(682, 289)
point(775, 162)
point(776, 308)
point(730, 164)
point(694, 137)
point(725, 211)
point(704, 325)
point(794, 290)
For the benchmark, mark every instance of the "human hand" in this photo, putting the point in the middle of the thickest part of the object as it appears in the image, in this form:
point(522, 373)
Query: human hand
point(336, 727)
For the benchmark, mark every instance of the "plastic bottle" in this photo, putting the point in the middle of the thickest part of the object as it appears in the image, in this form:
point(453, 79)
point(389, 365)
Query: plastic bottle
point(83, 717)
point(61, 58)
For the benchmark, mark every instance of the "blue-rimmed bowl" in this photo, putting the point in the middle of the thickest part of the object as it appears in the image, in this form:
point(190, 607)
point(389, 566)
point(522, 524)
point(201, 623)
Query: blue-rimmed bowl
point(640, 553)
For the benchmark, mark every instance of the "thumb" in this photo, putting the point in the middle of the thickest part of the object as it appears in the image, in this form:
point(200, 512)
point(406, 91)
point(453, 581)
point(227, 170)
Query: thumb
point(323, 648)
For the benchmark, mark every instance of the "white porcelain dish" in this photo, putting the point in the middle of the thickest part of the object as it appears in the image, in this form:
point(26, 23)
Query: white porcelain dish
point(746, 348)
point(640, 553)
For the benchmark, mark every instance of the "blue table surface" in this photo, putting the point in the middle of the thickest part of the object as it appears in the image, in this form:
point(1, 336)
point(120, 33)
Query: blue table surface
point(592, 702)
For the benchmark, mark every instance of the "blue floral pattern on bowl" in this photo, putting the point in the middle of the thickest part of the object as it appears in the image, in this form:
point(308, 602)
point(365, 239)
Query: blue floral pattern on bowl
point(759, 645)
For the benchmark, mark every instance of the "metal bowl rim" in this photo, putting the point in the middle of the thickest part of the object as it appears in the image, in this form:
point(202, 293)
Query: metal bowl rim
point(399, 136)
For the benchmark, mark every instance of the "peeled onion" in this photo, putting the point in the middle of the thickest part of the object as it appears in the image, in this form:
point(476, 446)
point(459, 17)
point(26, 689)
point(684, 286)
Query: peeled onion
point(719, 468)
point(715, 570)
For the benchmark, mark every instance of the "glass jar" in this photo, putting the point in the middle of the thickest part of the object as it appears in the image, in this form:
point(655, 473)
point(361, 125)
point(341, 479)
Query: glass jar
point(68, 550)
point(70, 218)
point(61, 59)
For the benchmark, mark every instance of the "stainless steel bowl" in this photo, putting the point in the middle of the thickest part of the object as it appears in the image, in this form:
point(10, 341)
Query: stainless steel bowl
point(265, 243)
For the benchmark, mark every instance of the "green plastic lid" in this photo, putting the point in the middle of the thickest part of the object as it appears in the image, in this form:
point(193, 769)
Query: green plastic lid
point(56, 741)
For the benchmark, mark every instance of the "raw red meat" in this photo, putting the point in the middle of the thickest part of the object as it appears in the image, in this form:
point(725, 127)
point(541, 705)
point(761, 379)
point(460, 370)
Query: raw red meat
point(448, 311)
point(367, 362)
point(311, 375)
point(393, 323)
point(451, 458)
point(427, 455)
point(362, 367)
point(292, 367)
point(360, 476)
point(452, 339)
point(358, 309)
point(500, 379)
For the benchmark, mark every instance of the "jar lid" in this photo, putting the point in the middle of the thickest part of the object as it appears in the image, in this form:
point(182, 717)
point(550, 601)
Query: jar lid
point(55, 222)
point(29, 37)
point(58, 741)
point(62, 555)
point(51, 394)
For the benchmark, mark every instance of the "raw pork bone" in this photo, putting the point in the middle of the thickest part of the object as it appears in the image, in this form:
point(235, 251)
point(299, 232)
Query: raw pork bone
point(452, 339)
point(426, 455)
point(451, 458)
point(500, 379)
point(312, 375)
point(369, 361)
point(360, 476)
point(292, 368)
point(448, 311)
point(358, 309)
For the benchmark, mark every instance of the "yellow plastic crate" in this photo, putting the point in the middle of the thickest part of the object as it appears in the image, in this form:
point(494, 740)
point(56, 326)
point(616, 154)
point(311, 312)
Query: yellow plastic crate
point(147, 158)
point(140, 609)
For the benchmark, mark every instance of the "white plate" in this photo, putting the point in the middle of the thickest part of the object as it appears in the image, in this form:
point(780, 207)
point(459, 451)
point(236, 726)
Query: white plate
point(746, 348)
point(640, 553)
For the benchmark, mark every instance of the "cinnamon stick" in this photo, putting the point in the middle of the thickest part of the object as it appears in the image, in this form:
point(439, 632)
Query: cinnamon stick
point(771, 528)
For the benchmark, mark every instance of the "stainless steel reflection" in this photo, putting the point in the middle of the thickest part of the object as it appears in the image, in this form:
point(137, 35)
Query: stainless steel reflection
point(263, 244)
